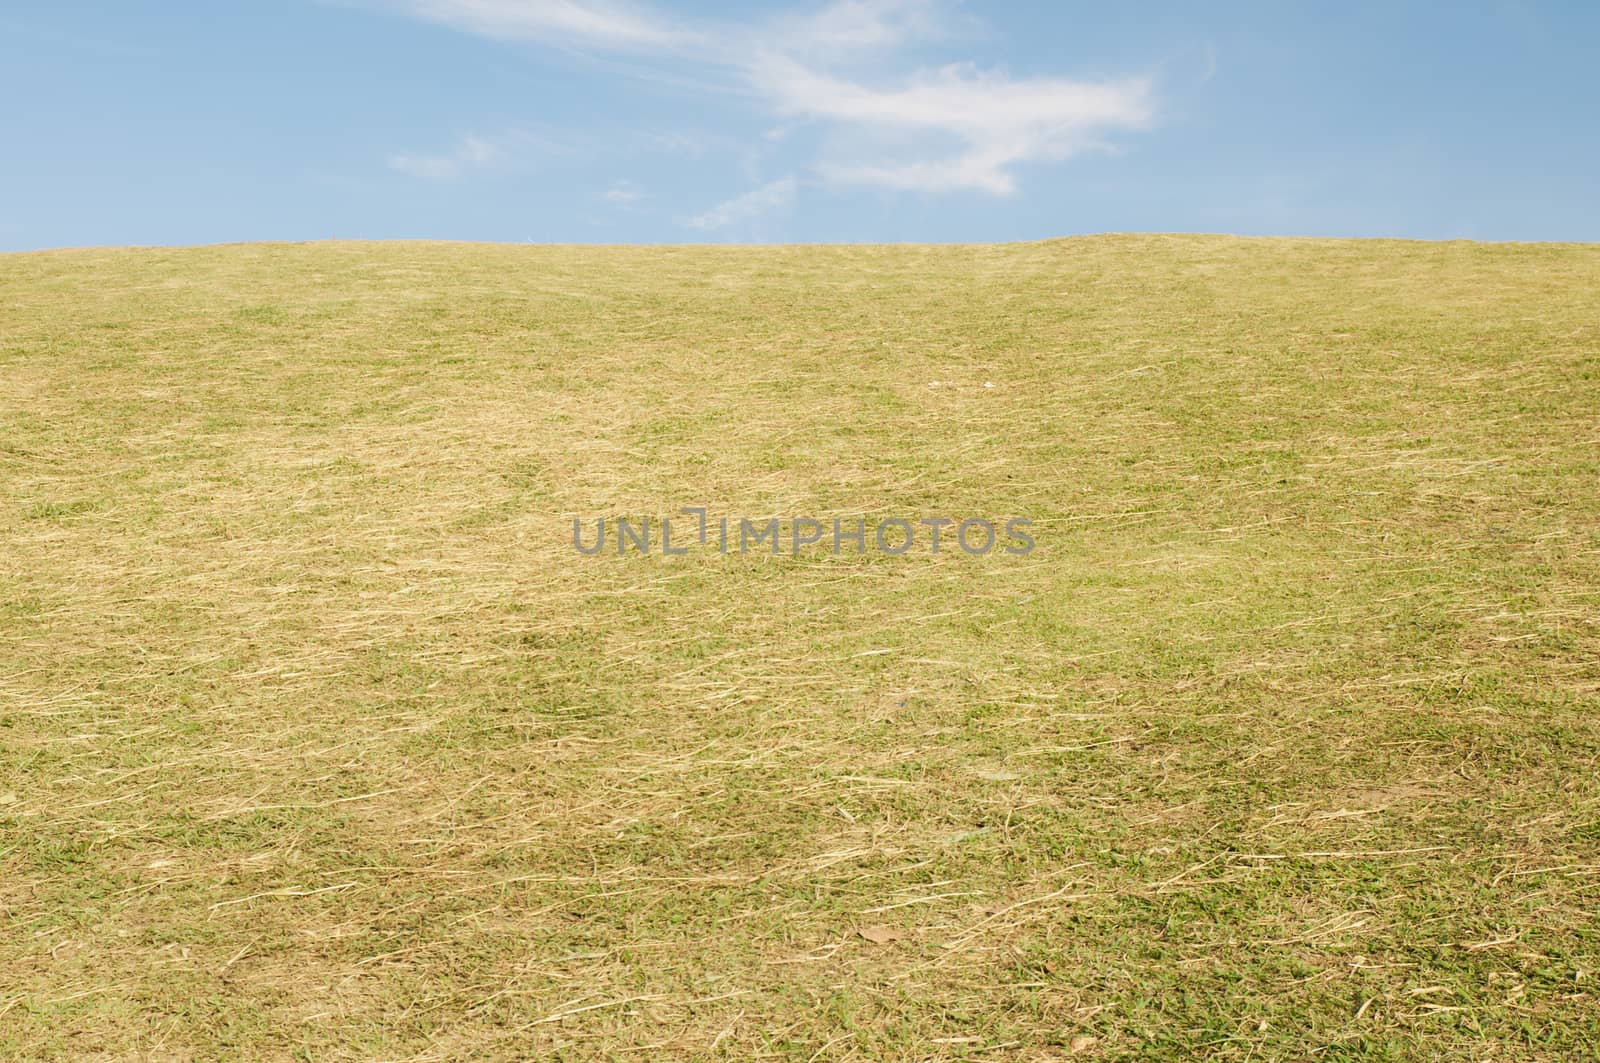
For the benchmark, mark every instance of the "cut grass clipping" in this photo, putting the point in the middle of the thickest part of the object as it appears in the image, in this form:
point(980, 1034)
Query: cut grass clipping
point(319, 740)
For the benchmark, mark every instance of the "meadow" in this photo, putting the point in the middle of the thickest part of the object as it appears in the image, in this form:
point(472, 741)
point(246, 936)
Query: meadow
point(320, 741)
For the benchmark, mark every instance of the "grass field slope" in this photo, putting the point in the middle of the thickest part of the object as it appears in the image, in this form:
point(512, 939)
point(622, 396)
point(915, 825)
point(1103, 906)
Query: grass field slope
point(319, 740)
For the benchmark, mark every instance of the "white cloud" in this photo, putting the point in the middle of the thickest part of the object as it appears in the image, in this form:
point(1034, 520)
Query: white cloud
point(775, 195)
point(999, 121)
point(471, 153)
point(940, 129)
point(959, 98)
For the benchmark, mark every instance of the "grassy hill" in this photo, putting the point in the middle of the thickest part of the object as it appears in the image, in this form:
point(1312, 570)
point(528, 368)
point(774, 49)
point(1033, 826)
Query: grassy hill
point(319, 740)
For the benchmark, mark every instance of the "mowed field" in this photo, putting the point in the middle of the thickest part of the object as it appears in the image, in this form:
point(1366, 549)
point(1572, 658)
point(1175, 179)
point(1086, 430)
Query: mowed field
point(318, 739)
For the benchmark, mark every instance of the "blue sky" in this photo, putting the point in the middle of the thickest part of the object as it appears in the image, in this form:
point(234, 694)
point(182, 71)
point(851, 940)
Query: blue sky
point(850, 120)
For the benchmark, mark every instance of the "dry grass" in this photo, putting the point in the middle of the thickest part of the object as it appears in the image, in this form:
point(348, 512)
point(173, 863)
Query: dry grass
point(318, 741)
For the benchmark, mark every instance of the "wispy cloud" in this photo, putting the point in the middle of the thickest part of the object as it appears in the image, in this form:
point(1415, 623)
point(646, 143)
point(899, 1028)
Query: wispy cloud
point(846, 67)
point(471, 153)
point(507, 149)
point(855, 27)
point(773, 196)
point(595, 23)
point(624, 194)
point(850, 26)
